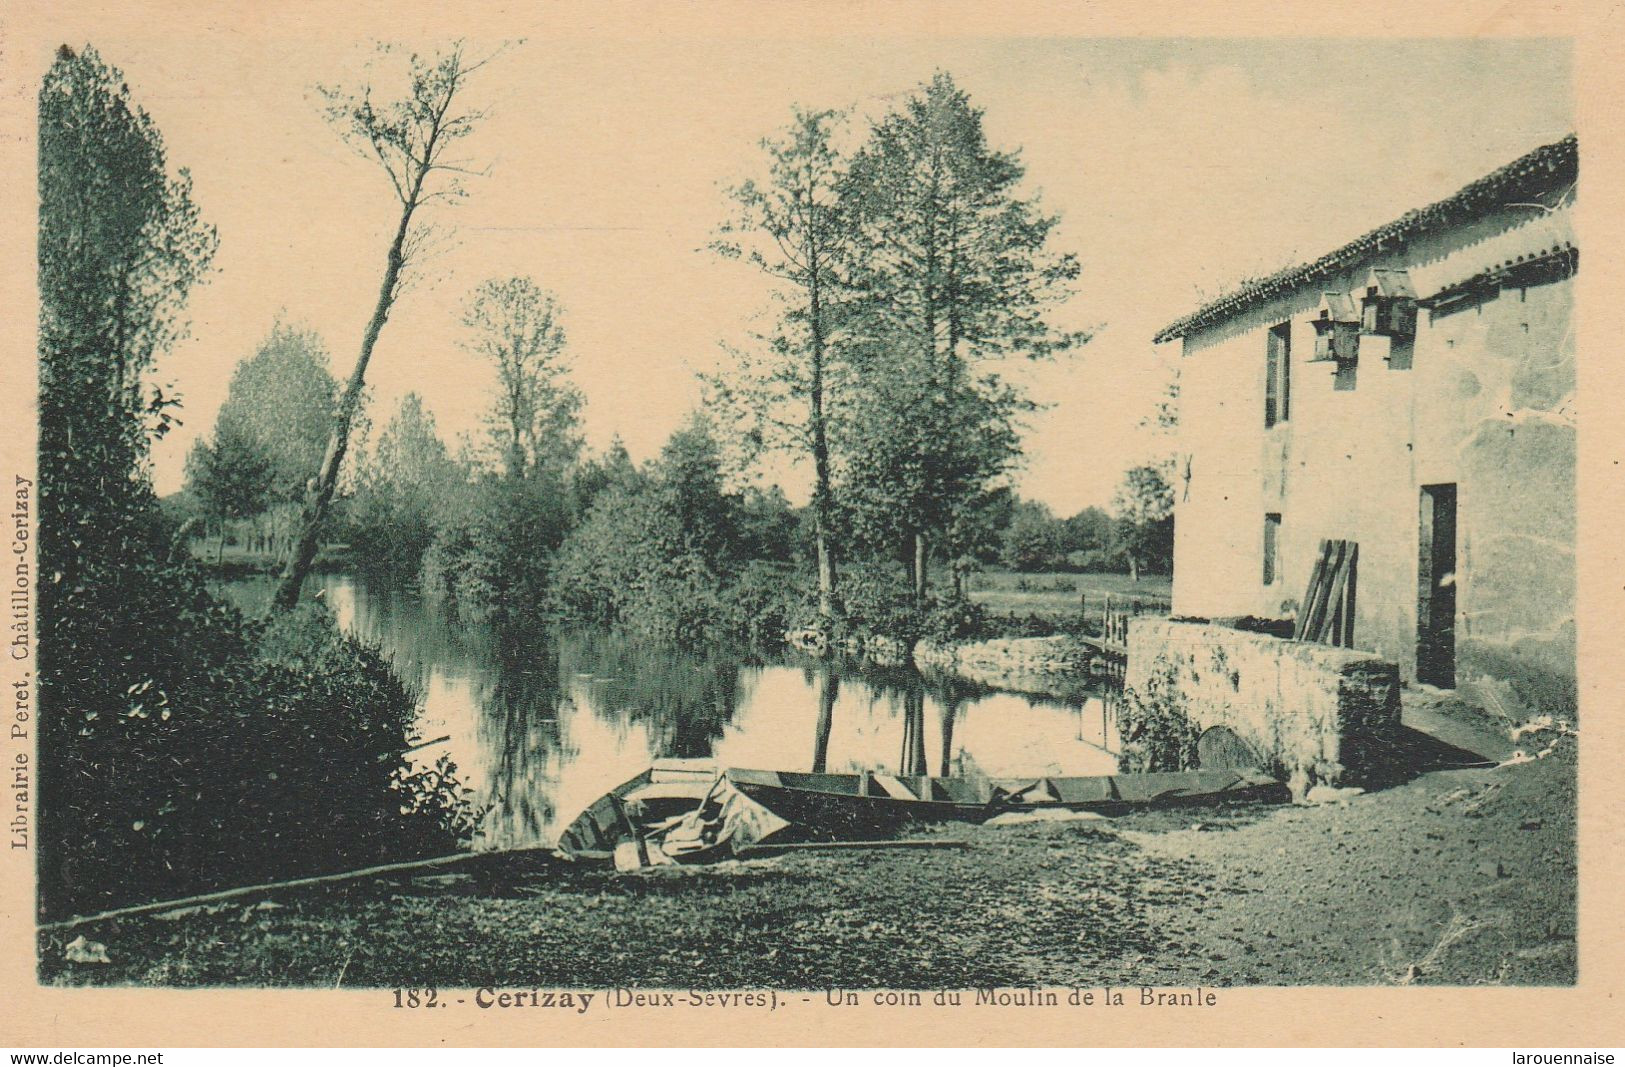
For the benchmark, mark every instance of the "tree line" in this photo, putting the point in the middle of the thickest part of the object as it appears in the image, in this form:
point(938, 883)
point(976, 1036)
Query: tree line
point(910, 279)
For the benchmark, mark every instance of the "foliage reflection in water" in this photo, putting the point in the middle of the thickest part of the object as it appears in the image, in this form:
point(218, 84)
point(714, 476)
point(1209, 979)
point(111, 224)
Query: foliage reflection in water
point(543, 723)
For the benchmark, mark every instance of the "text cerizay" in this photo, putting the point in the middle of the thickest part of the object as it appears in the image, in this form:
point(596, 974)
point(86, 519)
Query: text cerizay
point(533, 998)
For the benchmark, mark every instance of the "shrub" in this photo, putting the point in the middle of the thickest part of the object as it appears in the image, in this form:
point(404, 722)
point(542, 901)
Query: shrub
point(496, 558)
point(188, 749)
point(877, 599)
point(769, 599)
point(1157, 732)
point(949, 617)
point(678, 602)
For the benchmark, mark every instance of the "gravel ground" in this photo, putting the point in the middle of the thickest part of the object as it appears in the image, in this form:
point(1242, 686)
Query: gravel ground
point(1455, 877)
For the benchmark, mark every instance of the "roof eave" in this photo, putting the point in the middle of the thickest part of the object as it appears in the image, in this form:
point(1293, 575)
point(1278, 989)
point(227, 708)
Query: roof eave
point(1547, 165)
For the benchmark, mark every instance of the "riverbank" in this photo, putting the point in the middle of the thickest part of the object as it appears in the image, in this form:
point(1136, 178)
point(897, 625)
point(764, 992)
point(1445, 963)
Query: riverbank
point(1058, 666)
point(1454, 877)
point(238, 562)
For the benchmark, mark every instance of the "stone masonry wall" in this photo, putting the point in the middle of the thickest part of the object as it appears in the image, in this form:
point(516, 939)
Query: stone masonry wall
point(1049, 665)
point(1297, 704)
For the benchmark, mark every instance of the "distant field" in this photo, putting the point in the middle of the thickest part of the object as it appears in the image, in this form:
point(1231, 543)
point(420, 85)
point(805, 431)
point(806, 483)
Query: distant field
point(1050, 595)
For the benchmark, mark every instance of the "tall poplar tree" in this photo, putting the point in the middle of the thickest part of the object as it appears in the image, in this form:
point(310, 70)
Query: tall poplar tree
point(407, 488)
point(956, 274)
point(121, 244)
point(795, 229)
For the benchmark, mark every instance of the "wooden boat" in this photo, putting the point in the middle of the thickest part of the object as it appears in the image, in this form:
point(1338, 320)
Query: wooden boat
point(849, 806)
point(843, 804)
point(668, 789)
point(1117, 794)
point(846, 804)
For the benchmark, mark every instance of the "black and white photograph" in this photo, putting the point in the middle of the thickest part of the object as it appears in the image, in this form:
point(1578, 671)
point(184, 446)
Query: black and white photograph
point(532, 515)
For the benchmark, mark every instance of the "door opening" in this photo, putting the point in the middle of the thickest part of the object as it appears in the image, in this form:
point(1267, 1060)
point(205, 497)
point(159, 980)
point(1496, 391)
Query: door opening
point(1436, 588)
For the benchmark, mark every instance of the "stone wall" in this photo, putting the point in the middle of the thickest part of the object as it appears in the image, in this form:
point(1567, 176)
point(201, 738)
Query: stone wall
point(1050, 665)
point(1298, 705)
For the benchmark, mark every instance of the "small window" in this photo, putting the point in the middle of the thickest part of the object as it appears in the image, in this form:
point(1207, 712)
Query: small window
point(1278, 375)
point(1272, 547)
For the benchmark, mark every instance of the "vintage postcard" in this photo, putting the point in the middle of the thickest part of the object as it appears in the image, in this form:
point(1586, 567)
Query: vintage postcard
point(810, 524)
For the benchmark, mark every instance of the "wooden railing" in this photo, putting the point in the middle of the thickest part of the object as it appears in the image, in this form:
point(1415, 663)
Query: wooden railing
point(1117, 609)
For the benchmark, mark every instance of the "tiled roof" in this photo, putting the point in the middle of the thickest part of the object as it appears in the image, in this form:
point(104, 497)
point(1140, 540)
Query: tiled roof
point(1548, 167)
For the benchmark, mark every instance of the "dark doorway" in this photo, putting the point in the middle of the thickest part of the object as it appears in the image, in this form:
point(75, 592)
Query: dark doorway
point(1436, 601)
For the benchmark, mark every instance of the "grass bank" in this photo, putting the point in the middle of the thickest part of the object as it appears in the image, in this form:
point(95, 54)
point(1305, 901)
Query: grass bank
point(239, 562)
point(1456, 877)
point(1057, 595)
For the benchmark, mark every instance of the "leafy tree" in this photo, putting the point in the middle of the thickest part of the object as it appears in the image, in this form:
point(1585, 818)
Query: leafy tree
point(592, 477)
point(514, 323)
point(412, 137)
point(279, 405)
point(1089, 540)
point(498, 556)
point(607, 553)
point(1145, 504)
point(121, 244)
point(976, 536)
point(659, 552)
point(230, 476)
point(409, 485)
point(1143, 536)
point(769, 527)
point(925, 462)
point(698, 517)
point(1032, 540)
point(795, 228)
point(955, 274)
point(282, 399)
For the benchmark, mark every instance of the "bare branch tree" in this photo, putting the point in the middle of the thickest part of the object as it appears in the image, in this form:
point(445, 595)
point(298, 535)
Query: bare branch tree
point(412, 136)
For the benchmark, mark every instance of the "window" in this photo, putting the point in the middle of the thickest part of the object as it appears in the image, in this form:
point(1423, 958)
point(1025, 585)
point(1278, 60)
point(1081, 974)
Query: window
point(1272, 547)
point(1278, 375)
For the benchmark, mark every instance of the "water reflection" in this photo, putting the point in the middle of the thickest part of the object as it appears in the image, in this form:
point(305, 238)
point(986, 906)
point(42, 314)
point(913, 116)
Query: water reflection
point(541, 724)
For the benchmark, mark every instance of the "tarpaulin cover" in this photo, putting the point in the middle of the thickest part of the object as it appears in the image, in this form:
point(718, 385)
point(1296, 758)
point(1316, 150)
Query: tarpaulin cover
point(725, 820)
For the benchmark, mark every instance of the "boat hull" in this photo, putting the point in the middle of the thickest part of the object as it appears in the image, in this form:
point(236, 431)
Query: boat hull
point(845, 803)
point(874, 804)
point(668, 789)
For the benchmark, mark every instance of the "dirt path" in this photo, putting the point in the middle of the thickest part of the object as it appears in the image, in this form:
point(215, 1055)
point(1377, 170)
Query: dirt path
point(1460, 878)
point(1455, 877)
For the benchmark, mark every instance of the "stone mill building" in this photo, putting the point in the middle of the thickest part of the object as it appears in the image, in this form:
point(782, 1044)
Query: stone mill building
point(1409, 400)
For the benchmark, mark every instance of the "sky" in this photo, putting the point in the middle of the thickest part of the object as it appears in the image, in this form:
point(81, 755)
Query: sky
point(1177, 167)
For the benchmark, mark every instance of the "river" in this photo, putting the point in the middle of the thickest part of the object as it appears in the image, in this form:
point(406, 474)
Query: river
point(541, 724)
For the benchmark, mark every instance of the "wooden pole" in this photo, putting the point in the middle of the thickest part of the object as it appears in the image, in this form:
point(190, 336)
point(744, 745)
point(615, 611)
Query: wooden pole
point(223, 895)
point(834, 846)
